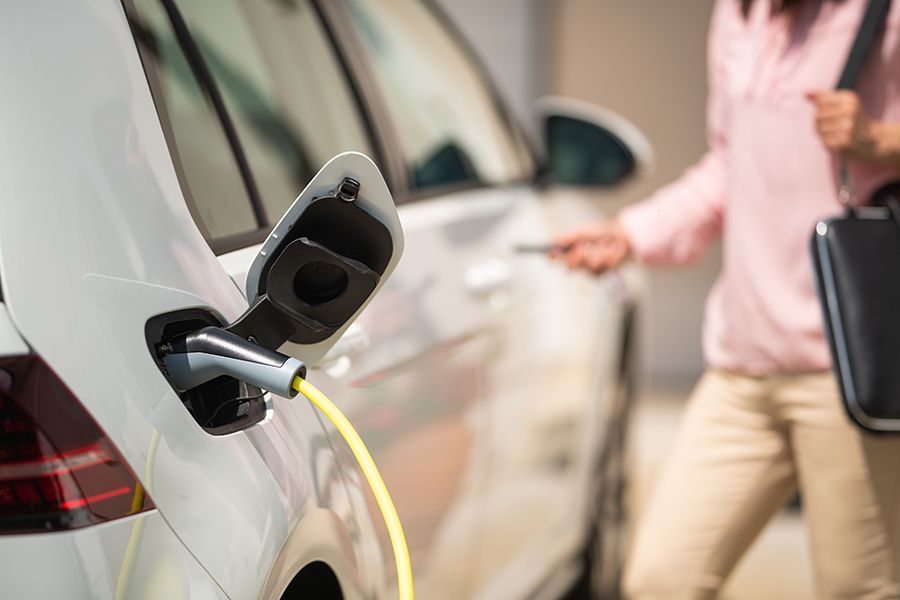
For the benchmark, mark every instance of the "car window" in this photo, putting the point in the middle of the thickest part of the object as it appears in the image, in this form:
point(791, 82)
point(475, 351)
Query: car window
point(450, 128)
point(211, 174)
point(283, 89)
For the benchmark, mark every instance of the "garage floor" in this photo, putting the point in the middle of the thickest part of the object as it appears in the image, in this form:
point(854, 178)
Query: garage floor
point(778, 566)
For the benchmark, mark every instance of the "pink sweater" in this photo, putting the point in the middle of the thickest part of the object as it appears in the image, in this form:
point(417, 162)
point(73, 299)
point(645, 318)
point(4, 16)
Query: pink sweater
point(766, 180)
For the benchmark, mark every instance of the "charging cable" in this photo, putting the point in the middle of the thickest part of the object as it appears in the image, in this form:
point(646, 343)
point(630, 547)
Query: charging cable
point(373, 477)
point(200, 356)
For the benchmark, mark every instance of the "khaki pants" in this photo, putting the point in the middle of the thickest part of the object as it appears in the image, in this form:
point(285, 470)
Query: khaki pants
point(745, 445)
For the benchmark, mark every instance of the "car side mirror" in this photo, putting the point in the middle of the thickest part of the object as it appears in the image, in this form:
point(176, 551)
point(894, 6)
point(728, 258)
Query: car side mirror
point(324, 261)
point(587, 145)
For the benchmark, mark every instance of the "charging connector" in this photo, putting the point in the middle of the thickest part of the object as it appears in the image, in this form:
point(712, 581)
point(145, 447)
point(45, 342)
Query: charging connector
point(194, 358)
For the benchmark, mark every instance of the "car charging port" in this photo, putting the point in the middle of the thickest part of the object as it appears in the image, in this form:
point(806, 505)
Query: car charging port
point(221, 405)
point(321, 271)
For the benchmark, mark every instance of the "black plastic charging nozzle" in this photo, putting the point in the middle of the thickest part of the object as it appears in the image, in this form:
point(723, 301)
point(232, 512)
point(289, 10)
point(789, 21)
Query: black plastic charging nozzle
point(199, 356)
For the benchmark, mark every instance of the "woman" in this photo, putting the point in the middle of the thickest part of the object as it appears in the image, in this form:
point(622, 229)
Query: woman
point(766, 417)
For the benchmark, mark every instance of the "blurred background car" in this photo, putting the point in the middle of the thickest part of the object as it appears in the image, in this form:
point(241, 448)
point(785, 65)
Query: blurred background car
point(148, 149)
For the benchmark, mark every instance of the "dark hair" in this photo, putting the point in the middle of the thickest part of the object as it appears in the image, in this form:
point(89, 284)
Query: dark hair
point(783, 6)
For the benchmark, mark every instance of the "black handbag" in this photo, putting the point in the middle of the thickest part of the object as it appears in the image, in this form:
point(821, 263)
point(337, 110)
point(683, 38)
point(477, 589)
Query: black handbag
point(856, 258)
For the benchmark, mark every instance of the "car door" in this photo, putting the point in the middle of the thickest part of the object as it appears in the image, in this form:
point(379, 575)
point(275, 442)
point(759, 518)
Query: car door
point(409, 378)
point(554, 336)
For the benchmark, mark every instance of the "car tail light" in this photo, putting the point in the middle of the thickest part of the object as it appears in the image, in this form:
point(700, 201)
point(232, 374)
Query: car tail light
point(58, 470)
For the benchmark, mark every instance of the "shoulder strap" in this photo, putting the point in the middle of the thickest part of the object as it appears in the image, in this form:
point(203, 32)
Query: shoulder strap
point(873, 20)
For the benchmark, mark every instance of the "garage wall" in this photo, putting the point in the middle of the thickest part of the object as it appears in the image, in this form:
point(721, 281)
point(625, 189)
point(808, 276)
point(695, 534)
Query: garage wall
point(646, 59)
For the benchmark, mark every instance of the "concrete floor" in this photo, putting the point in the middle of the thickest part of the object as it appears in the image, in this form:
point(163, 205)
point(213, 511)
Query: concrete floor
point(778, 565)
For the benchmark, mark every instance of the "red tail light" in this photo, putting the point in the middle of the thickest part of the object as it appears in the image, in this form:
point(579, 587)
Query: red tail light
point(58, 470)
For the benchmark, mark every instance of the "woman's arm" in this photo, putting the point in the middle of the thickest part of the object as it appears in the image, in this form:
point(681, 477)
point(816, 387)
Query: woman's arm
point(846, 129)
point(676, 224)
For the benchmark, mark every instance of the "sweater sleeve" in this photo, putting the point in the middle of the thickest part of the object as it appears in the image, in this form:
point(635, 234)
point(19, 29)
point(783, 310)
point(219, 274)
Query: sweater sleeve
point(677, 223)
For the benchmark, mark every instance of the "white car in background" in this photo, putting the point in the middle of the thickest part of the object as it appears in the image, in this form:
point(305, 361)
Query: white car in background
point(147, 149)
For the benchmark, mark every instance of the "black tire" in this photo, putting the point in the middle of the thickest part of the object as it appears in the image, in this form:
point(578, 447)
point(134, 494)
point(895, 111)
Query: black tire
point(603, 554)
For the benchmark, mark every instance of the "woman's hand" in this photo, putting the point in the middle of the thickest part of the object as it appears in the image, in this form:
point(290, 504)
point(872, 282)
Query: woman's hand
point(846, 129)
point(844, 126)
point(595, 248)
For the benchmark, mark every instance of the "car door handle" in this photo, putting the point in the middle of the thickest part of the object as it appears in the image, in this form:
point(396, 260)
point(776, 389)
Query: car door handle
point(354, 341)
point(488, 276)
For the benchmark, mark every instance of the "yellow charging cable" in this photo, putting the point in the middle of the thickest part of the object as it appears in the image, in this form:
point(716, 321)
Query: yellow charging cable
point(382, 496)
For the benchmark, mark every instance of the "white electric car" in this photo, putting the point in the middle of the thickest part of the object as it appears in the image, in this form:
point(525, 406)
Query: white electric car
point(147, 148)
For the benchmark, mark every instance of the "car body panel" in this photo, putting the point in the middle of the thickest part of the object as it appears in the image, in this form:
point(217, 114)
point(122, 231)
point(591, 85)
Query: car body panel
point(137, 556)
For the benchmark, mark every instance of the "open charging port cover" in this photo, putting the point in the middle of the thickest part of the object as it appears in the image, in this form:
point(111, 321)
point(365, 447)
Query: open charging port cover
point(324, 261)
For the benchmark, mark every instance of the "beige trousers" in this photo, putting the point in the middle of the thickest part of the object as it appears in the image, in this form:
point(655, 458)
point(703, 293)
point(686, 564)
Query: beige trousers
point(744, 447)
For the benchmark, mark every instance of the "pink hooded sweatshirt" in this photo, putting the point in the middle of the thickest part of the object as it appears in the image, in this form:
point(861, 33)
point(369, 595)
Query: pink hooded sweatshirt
point(767, 179)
